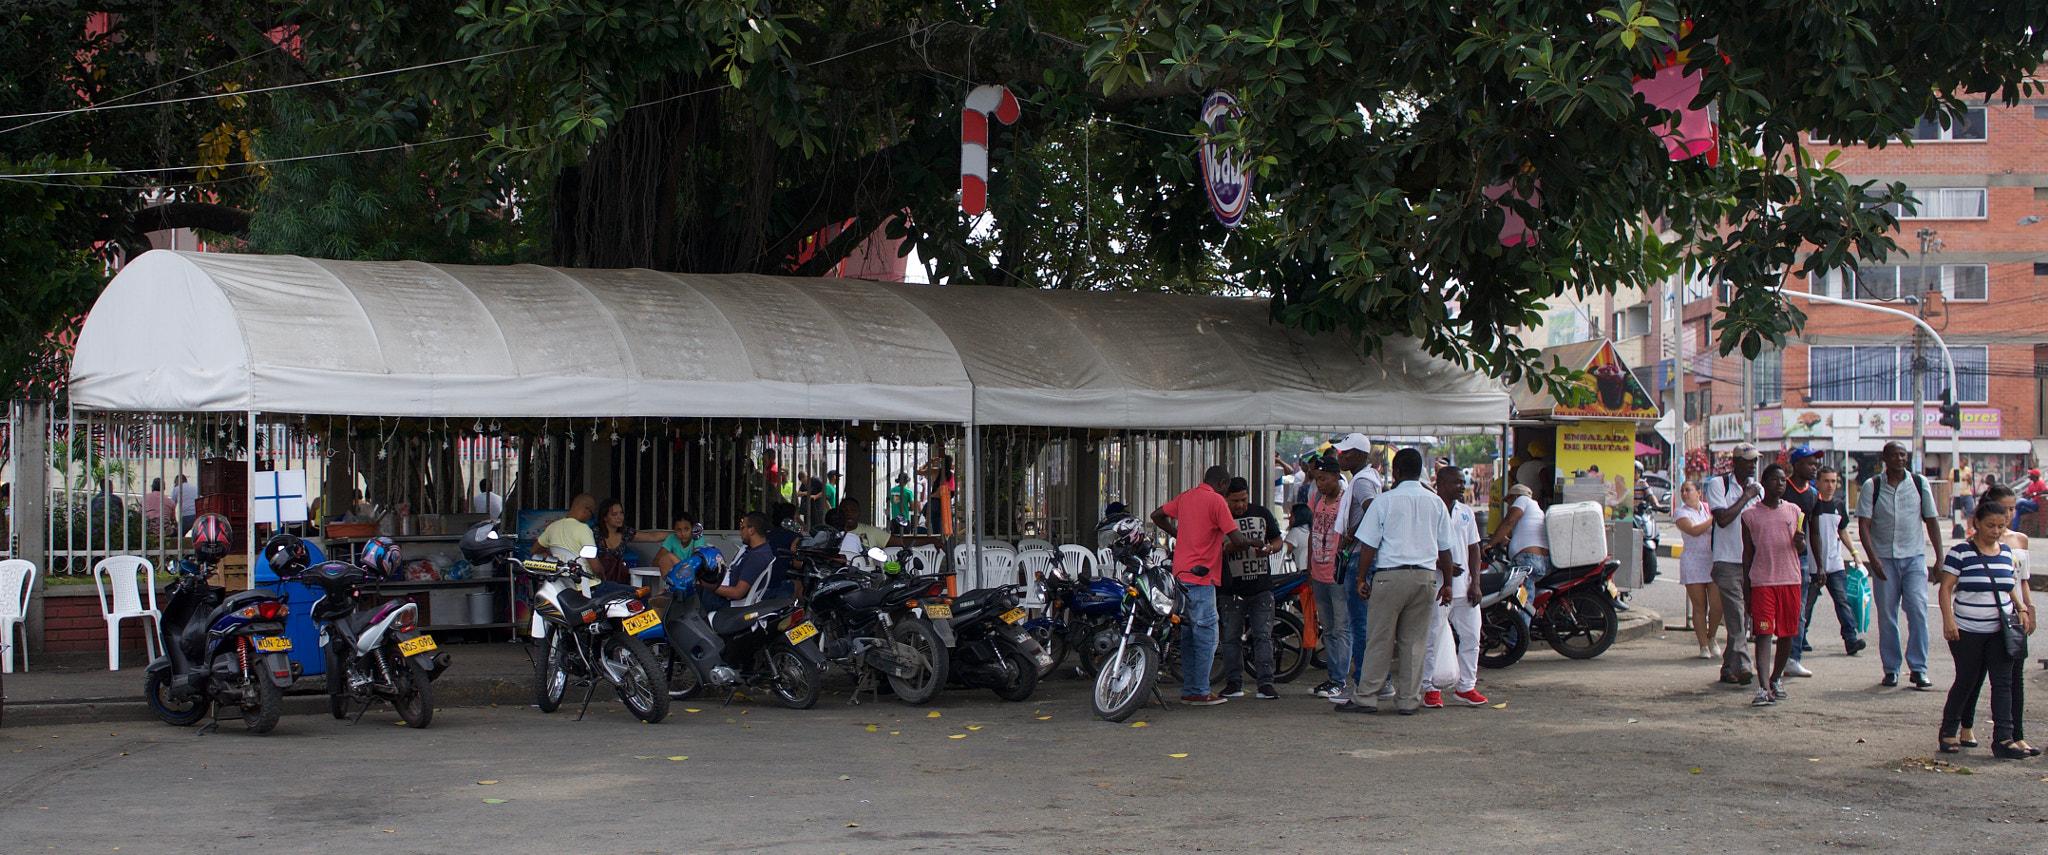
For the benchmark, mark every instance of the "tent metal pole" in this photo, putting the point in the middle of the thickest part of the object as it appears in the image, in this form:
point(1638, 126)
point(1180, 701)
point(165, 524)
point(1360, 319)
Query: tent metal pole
point(970, 481)
point(249, 500)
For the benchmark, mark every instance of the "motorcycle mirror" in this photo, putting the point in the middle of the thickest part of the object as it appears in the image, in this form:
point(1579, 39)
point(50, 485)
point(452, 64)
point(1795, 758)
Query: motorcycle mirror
point(587, 552)
point(876, 554)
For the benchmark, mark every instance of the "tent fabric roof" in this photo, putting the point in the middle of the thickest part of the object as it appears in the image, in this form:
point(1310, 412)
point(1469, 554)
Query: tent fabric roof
point(185, 331)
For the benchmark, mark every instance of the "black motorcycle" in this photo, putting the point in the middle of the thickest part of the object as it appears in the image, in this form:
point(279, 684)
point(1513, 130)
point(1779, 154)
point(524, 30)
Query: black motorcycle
point(851, 608)
point(219, 649)
point(767, 645)
point(994, 650)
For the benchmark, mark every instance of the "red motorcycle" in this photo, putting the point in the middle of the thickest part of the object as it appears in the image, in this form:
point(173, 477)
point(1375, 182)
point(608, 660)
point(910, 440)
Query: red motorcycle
point(1574, 609)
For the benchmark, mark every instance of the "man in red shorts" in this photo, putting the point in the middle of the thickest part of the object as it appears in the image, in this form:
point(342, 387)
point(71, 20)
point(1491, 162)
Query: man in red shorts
point(1771, 544)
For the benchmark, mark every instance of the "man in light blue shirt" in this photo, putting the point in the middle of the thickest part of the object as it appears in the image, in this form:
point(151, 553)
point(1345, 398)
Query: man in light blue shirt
point(1405, 537)
point(1890, 515)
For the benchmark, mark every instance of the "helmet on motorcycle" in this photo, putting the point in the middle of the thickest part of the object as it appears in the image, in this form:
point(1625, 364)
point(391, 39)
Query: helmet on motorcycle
point(380, 557)
point(1122, 533)
point(287, 555)
point(482, 544)
point(704, 561)
point(212, 538)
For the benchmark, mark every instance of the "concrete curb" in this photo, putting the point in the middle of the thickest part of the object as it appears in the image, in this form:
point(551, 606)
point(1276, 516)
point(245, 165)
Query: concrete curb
point(305, 699)
point(1638, 622)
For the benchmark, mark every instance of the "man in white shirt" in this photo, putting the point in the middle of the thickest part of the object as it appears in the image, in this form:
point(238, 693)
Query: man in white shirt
point(1728, 495)
point(1462, 612)
point(1361, 486)
point(1405, 537)
point(486, 502)
point(187, 497)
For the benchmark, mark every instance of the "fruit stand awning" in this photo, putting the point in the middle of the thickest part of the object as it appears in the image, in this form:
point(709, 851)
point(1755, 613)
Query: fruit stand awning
point(184, 331)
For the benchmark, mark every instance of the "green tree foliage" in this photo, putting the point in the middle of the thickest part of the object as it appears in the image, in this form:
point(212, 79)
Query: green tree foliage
point(46, 280)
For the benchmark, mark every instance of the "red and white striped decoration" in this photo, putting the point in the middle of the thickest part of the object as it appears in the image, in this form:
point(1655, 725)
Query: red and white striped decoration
point(983, 102)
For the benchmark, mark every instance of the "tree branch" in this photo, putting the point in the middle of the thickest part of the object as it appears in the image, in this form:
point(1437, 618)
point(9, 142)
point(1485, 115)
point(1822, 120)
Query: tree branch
point(860, 60)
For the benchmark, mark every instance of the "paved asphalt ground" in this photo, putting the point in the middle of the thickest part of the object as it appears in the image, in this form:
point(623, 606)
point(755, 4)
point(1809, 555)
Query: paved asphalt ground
point(1637, 751)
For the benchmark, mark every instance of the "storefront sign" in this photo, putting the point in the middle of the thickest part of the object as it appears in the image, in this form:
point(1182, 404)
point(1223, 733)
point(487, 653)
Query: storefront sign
point(1731, 427)
point(1614, 390)
point(1603, 450)
point(1770, 424)
point(1806, 424)
point(1897, 422)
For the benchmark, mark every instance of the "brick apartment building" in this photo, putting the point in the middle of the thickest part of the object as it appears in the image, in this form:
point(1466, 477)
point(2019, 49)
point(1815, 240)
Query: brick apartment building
point(1845, 384)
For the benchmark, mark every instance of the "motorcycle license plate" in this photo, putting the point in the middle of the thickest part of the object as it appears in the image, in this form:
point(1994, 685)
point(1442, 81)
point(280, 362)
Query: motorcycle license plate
point(640, 622)
point(416, 646)
point(937, 610)
point(1014, 616)
point(802, 631)
point(273, 644)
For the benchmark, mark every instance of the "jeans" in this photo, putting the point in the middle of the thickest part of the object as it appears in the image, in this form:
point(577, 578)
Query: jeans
point(1977, 655)
point(1354, 609)
point(1904, 585)
point(1734, 585)
point(1403, 604)
point(1333, 623)
point(1539, 567)
point(1837, 587)
point(1198, 640)
point(1806, 575)
point(1236, 609)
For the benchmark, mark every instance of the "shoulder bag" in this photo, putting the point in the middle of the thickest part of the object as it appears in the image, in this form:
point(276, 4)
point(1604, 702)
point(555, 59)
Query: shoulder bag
point(2010, 626)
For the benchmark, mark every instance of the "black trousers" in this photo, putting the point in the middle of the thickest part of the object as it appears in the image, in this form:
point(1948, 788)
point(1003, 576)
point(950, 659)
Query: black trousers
point(2019, 701)
point(1979, 655)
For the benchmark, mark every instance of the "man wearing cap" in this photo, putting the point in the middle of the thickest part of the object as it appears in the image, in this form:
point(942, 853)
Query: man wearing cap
point(1890, 514)
point(1728, 495)
point(1803, 493)
point(1361, 486)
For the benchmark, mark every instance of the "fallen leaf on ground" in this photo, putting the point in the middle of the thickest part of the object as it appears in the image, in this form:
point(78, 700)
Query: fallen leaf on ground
point(853, 825)
point(1140, 724)
point(1501, 706)
point(643, 756)
point(932, 714)
point(846, 777)
point(1813, 759)
point(1045, 718)
point(486, 783)
point(1694, 770)
point(1176, 755)
point(687, 709)
point(974, 727)
point(871, 728)
point(494, 801)
point(680, 757)
point(1630, 721)
point(957, 736)
point(895, 732)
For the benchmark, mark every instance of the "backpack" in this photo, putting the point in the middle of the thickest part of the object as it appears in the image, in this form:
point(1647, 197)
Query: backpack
point(1875, 487)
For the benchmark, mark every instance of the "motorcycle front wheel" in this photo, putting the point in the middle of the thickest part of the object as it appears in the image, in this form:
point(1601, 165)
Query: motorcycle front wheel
point(550, 673)
point(412, 693)
point(1125, 681)
point(682, 679)
point(185, 713)
point(924, 686)
point(1503, 636)
point(261, 711)
point(1022, 669)
point(796, 680)
point(632, 670)
point(1583, 624)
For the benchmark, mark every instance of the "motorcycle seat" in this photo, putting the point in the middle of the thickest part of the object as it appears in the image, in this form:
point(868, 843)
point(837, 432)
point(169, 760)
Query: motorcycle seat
point(866, 598)
point(736, 619)
point(354, 623)
point(575, 605)
point(973, 601)
point(1562, 575)
point(1493, 578)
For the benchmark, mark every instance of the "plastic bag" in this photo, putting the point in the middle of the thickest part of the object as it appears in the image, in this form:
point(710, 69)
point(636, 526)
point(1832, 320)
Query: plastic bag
point(421, 571)
point(1443, 665)
point(1857, 586)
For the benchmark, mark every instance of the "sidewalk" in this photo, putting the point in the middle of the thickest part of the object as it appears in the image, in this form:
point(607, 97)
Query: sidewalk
point(73, 688)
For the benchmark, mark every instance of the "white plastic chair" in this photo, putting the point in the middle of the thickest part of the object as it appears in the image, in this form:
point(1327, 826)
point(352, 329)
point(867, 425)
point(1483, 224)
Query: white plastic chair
point(17, 578)
point(930, 556)
point(1079, 561)
point(128, 576)
point(1030, 563)
point(998, 566)
point(999, 546)
point(1035, 543)
point(1105, 558)
point(963, 564)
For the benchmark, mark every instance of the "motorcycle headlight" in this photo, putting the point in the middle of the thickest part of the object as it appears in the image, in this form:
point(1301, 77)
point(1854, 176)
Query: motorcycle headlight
point(1162, 599)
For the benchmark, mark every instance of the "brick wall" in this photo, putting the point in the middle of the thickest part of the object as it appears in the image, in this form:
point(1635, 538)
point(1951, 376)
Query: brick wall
point(72, 622)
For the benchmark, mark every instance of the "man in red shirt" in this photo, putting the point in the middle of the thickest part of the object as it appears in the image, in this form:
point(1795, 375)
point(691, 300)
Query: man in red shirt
point(1201, 525)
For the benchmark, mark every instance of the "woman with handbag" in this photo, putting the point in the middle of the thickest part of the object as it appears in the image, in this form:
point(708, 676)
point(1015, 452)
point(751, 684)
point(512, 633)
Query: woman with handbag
point(1985, 633)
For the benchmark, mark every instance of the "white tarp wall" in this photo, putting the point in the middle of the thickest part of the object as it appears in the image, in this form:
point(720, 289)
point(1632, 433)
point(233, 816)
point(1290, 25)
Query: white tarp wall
point(298, 335)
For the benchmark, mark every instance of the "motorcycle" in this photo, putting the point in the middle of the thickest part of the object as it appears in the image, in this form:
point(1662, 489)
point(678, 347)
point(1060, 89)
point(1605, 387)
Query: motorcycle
point(1573, 610)
point(767, 645)
point(374, 652)
point(1075, 610)
point(1149, 611)
point(994, 650)
point(599, 637)
point(851, 609)
point(1646, 520)
point(1503, 625)
point(219, 649)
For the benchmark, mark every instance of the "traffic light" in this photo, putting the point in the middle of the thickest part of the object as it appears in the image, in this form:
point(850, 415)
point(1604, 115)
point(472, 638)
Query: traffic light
point(1951, 412)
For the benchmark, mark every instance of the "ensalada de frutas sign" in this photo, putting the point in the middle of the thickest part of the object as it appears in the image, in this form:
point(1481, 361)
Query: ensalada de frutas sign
point(1224, 174)
point(1616, 393)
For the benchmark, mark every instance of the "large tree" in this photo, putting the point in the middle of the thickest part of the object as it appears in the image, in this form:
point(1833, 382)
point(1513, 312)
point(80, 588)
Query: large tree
point(721, 135)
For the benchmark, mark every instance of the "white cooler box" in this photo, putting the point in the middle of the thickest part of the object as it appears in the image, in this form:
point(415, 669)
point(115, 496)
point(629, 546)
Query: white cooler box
point(1578, 533)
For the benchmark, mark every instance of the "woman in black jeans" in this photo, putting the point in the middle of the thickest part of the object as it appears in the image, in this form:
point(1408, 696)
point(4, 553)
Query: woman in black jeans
point(1977, 585)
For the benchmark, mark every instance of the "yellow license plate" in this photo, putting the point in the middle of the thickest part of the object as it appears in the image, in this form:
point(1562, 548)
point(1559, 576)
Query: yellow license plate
point(416, 646)
point(273, 644)
point(802, 631)
point(1014, 616)
point(642, 621)
point(938, 610)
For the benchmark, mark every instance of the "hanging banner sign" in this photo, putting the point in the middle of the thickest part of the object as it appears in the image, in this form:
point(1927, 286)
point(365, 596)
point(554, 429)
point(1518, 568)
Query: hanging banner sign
point(1225, 176)
point(983, 102)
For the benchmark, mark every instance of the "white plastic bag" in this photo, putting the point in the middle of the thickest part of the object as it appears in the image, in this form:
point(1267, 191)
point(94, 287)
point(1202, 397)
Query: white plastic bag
point(1443, 663)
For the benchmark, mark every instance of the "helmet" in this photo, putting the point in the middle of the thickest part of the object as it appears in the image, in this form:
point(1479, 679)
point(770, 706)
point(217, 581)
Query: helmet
point(1122, 533)
point(703, 562)
point(287, 555)
point(482, 544)
point(380, 557)
point(212, 538)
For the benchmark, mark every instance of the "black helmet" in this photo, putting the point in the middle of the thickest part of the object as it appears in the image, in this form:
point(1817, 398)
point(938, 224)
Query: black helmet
point(482, 544)
point(1122, 533)
point(287, 555)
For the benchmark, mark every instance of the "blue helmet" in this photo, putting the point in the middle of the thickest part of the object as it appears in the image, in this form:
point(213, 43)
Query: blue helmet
point(701, 562)
point(380, 556)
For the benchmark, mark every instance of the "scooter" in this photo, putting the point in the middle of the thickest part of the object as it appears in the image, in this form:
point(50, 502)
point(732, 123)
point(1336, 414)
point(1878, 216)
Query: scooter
point(219, 649)
point(374, 652)
point(768, 644)
point(1503, 625)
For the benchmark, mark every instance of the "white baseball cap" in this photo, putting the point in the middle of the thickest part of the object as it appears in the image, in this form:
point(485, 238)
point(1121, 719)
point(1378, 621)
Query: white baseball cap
point(1354, 442)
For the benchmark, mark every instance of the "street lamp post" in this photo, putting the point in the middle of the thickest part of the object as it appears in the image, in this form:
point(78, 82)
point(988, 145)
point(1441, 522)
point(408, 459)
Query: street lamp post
point(1927, 242)
point(1955, 452)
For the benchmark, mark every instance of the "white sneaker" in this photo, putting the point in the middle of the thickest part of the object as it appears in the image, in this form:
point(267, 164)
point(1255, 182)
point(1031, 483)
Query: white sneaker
point(1388, 690)
point(1795, 669)
point(1707, 651)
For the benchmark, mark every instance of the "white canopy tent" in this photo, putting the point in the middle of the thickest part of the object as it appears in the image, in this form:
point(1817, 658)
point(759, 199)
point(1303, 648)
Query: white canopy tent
point(213, 332)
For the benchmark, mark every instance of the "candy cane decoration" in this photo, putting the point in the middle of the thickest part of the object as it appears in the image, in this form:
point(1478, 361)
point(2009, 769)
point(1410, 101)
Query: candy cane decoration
point(983, 102)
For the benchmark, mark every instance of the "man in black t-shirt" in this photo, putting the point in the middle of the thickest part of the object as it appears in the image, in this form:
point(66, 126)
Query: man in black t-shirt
point(1830, 524)
point(1801, 491)
point(1247, 595)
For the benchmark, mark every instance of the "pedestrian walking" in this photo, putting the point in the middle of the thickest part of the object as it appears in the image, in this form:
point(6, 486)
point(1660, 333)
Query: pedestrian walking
point(1245, 600)
point(1978, 595)
point(1896, 506)
point(1773, 535)
point(1829, 539)
point(1333, 615)
point(1461, 614)
point(2023, 601)
point(1201, 526)
point(1696, 564)
point(1405, 540)
point(1728, 495)
point(1361, 486)
point(1801, 491)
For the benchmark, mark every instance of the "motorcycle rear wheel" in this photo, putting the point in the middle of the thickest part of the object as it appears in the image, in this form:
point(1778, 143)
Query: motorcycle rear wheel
point(413, 697)
point(1023, 674)
point(921, 689)
point(550, 674)
point(631, 668)
point(1126, 681)
point(1583, 624)
point(157, 689)
point(797, 682)
point(1289, 660)
point(1503, 636)
point(268, 704)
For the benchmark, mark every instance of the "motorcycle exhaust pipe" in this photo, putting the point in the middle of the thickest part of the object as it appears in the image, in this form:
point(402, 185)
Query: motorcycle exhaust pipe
point(439, 665)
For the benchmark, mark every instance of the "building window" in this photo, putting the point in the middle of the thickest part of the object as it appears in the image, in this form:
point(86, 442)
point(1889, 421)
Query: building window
point(1631, 322)
point(2040, 269)
point(1969, 128)
point(1892, 282)
point(2041, 112)
point(1883, 374)
point(1767, 377)
point(1943, 203)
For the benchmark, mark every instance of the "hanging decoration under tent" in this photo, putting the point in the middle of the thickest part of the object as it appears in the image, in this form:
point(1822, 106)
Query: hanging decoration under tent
point(982, 102)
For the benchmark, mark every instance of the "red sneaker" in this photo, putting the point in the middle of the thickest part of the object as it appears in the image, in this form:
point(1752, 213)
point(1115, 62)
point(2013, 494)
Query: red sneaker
point(1208, 700)
point(1470, 697)
point(1433, 699)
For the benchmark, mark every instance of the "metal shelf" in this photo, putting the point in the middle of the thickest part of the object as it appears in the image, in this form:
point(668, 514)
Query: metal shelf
point(455, 626)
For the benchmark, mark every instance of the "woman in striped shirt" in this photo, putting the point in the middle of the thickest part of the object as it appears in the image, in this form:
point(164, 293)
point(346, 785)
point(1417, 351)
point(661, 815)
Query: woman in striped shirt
point(1976, 585)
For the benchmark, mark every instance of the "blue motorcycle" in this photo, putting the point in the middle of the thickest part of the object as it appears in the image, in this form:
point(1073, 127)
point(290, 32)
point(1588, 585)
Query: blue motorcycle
point(1075, 610)
point(219, 649)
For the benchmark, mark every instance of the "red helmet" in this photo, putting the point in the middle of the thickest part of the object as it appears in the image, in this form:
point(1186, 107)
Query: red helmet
point(212, 537)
